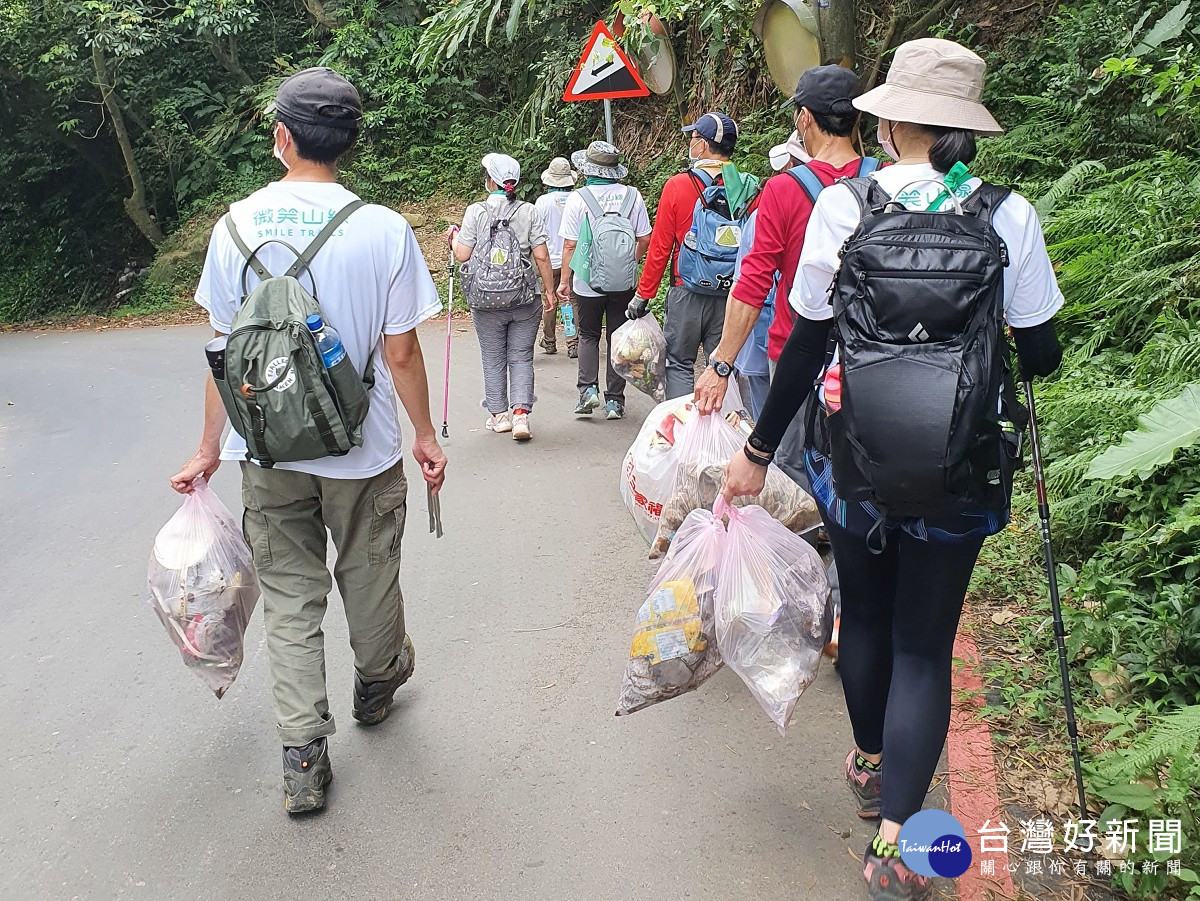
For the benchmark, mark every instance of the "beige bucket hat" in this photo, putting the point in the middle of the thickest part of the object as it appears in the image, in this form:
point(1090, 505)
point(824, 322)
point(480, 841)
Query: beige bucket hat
point(933, 82)
point(559, 174)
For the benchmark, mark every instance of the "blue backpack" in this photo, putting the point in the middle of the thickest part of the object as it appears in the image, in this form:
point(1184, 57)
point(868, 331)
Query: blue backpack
point(710, 248)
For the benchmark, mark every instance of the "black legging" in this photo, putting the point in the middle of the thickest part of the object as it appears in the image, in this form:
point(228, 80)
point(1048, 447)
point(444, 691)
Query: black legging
point(900, 611)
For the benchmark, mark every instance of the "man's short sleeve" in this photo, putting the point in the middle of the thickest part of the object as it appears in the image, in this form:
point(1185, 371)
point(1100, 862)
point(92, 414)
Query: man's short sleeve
point(537, 227)
point(218, 291)
point(412, 297)
point(640, 217)
point(572, 218)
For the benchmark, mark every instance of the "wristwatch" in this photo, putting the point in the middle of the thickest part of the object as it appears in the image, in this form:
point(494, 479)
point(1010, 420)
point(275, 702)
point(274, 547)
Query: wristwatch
point(723, 369)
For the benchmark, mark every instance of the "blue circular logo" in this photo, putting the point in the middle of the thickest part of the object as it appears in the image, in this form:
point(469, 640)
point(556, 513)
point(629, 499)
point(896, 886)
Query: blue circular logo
point(934, 843)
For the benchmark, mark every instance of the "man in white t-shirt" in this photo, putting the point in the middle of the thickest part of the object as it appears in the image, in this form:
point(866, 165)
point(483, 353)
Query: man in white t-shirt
point(559, 179)
point(374, 289)
point(600, 163)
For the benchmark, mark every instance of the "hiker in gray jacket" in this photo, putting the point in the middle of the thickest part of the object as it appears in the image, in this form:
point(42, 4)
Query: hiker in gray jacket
point(507, 329)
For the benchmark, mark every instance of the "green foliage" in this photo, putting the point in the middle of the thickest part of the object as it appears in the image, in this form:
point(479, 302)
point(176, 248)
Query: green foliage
point(1172, 424)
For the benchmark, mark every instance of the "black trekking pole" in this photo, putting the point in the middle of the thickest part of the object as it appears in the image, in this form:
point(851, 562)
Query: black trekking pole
point(1060, 632)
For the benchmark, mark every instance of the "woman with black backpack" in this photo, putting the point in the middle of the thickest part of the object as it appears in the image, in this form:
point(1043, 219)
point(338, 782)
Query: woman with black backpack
point(500, 284)
point(913, 437)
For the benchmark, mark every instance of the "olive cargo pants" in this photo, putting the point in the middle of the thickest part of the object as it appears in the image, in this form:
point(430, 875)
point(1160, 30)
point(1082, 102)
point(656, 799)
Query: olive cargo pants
point(287, 514)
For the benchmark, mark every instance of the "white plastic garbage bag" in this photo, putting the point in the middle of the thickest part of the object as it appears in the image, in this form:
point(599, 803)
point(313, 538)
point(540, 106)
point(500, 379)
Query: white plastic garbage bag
point(674, 648)
point(639, 355)
point(203, 586)
point(773, 615)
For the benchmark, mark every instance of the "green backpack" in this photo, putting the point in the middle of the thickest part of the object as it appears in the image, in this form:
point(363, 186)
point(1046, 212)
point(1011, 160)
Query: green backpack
point(276, 389)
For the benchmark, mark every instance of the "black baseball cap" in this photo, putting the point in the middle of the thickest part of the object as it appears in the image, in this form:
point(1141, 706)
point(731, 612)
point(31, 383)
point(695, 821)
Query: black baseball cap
point(827, 90)
point(319, 96)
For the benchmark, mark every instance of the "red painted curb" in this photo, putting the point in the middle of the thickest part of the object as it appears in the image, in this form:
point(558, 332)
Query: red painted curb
point(974, 799)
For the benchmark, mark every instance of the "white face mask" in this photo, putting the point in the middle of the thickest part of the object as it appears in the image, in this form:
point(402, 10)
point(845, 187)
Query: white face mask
point(278, 152)
point(886, 142)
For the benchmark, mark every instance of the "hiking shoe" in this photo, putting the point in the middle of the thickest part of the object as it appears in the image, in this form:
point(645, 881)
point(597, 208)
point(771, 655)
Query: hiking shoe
point(520, 427)
point(306, 773)
point(373, 700)
point(866, 783)
point(549, 347)
point(498, 422)
point(589, 401)
point(888, 879)
point(614, 409)
point(573, 351)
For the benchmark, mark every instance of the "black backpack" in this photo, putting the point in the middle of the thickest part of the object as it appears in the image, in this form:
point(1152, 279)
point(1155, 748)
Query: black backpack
point(929, 423)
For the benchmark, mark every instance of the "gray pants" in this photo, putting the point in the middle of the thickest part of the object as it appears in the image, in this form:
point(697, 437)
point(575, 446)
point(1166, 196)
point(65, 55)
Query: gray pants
point(789, 456)
point(506, 339)
point(692, 320)
point(287, 514)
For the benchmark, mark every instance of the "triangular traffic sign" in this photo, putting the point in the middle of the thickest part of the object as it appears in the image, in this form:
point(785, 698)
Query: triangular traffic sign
point(604, 71)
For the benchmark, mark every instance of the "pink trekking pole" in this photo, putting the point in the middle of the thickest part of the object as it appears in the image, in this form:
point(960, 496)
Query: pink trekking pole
point(449, 326)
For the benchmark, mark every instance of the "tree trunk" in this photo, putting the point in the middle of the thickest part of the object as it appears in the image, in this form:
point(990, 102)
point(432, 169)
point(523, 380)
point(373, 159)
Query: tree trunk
point(317, 10)
point(228, 59)
point(135, 203)
point(837, 21)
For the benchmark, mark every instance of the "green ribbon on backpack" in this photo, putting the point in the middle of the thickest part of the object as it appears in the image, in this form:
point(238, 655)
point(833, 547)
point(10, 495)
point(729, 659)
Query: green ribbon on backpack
point(581, 259)
point(740, 188)
point(955, 179)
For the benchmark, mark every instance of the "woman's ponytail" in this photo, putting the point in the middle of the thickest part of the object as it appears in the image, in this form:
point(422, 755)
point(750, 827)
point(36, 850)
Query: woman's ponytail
point(953, 145)
point(510, 191)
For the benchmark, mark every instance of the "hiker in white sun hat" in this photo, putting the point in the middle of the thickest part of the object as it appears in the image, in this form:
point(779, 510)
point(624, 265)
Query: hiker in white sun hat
point(559, 179)
point(502, 244)
point(948, 255)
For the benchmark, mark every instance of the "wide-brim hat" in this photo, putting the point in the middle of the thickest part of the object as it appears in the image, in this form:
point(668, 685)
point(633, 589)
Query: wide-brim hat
point(933, 82)
point(600, 160)
point(559, 174)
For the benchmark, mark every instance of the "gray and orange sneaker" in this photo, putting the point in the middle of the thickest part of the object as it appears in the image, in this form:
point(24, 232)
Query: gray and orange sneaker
point(373, 700)
point(888, 879)
point(866, 781)
point(306, 774)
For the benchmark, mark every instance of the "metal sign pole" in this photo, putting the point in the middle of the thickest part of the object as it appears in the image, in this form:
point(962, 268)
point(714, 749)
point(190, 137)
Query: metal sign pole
point(608, 136)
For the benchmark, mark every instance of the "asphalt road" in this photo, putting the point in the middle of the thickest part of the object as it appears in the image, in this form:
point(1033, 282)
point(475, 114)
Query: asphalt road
point(502, 773)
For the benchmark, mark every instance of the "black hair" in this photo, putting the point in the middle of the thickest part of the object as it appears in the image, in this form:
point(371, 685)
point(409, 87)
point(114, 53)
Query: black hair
point(725, 147)
point(951, 145)
point(839, 122)
point(319, 143)
point(510, 190)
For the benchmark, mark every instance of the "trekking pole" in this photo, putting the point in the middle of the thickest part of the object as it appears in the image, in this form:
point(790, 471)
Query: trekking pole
point(449, 327)
point(1060, 632)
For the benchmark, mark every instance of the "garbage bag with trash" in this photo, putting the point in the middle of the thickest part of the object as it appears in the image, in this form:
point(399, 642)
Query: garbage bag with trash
point(705, 446)
point(639, 355)
point(651, 463)
point(203, 586)
point(674, 649)
point(773, 614)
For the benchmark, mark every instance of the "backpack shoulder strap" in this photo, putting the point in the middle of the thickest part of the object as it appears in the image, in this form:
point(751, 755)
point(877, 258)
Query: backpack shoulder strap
point(314, 246)
point(867, 165)
point(985, 199)
point(706, 182)
point(589, 200)
point(628, 201)
point(809, 181)
point(251, 258)
point(867, 192)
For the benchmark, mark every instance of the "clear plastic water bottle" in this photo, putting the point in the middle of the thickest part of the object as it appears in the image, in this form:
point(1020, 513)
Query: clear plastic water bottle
point(328, 341)
point(568, 317)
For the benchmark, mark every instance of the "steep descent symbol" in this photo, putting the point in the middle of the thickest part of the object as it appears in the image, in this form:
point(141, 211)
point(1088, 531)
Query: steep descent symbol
point(604, 71)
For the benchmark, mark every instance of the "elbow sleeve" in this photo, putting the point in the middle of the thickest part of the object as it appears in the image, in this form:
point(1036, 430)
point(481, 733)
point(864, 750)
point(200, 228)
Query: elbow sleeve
point(1038, 350)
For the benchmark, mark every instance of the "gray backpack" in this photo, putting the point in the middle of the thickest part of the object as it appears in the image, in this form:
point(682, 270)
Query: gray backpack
point(498, 276)
point(273, 381)
point(612, 261)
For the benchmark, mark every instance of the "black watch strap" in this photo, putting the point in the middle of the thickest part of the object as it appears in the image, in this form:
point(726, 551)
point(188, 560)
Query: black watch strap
point(723, 369)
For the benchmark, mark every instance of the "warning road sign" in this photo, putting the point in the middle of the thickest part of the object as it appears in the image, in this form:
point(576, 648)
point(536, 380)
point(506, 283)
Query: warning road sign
point(604, 72)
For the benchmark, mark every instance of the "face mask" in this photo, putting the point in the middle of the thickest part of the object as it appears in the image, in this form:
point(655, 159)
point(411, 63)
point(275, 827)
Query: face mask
point(279, 154)
point(886, 143)
point(692, 158)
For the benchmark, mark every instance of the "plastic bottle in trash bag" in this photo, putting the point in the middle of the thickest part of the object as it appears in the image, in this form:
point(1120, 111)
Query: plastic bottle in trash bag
point(329, 343)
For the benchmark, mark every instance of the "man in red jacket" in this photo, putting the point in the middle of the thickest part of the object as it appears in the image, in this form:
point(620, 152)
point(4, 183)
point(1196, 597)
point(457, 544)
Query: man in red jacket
point(825, 121)
point(692, 318)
